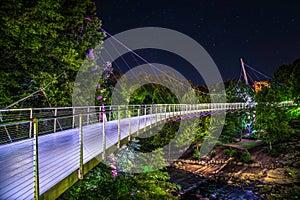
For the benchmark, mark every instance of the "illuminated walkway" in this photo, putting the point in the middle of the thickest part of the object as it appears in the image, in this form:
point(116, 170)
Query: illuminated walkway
point(59, 152)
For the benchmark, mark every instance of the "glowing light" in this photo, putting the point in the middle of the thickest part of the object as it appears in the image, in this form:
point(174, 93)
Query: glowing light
point(91, 54)
point(99, 98)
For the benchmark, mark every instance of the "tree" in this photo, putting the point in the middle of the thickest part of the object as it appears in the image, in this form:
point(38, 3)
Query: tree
point(287, 81)
point(295, 81)
point(44, 42)
point(271, 119)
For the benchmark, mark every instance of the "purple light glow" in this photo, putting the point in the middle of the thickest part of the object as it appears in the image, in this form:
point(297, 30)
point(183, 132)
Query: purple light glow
point(114, 173)
point(99, 98)
point(91, 54)
point(94, 69)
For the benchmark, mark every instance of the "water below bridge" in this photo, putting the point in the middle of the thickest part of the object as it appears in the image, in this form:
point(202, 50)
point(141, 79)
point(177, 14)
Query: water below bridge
point(196, 187)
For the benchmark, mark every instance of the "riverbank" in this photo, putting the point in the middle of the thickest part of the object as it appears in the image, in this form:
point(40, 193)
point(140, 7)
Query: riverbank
point(269, 177)
point(199, 188)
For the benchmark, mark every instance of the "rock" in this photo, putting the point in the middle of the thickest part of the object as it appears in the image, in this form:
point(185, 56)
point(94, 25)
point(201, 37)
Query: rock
point(278, 176)
point(296, 164)
point(256, 165)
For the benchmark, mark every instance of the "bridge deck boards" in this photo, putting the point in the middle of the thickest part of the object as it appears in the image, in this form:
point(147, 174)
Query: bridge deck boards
point(58, 156)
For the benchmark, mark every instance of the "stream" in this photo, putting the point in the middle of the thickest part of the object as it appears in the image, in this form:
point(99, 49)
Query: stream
point(196, 187)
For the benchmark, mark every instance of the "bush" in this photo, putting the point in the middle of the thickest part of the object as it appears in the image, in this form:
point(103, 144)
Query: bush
point(101, 184)
point(196, 154)
point(230, 153)
point(246, 157)
point(213, 153)
point(277, 150)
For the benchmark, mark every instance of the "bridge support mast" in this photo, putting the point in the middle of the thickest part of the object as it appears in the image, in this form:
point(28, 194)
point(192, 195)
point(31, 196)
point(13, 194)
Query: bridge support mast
point(244, 71)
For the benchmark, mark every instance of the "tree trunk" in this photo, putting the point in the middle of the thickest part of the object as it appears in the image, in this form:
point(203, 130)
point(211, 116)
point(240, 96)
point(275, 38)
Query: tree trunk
point(270, 143)
point(241, 136)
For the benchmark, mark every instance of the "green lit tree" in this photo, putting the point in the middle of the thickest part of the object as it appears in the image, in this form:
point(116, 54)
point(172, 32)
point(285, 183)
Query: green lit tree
point(44, 42)
point(295, 81)
point(272, 120)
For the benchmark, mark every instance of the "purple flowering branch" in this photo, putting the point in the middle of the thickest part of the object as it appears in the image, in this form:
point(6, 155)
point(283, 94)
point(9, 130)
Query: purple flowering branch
point(88, 19)
point(91, 54)
point(114, 172)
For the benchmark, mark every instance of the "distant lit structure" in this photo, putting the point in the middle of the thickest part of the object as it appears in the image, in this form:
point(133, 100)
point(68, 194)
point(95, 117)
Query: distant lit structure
point(258, 85)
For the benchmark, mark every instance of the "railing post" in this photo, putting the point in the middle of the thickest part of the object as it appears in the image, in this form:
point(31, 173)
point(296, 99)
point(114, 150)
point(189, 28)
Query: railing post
point(119, 128)
point(55, 115)
point(73, 113)
point(139, 121)
point(145, 117)
point(88, 116)
point(128, 115)
point(165, 112)
point(30, 123)
point(150, 116)
point(109, 114)
point(156, 113)
point(180, 109)
point(80, 171)
point(104, 137)
point(36, 159)
point(174, 110)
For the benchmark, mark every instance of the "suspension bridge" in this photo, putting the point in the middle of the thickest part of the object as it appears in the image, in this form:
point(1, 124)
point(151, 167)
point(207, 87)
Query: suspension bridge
point(42, 158)
point(44, 151)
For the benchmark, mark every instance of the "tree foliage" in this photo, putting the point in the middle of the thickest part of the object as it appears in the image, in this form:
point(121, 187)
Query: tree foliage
point(101, 184)
point(44, 42)
point(287, 81)
point(272, 120)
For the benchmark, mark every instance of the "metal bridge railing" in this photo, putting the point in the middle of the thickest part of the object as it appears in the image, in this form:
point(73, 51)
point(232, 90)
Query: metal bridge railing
point(16, 124)
point(42, 146)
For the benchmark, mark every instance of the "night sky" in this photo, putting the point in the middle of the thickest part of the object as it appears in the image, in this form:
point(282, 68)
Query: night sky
point(264, 33)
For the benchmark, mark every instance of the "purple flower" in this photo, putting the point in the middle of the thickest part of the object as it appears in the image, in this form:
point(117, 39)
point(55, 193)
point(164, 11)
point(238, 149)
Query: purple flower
point(99, 98)
point(102, 114)
point(93, 68)
point(113, 166)
point(91, 54)
point(114, 173)
point(87, 19)
point(132, 193)
point(99, 86)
